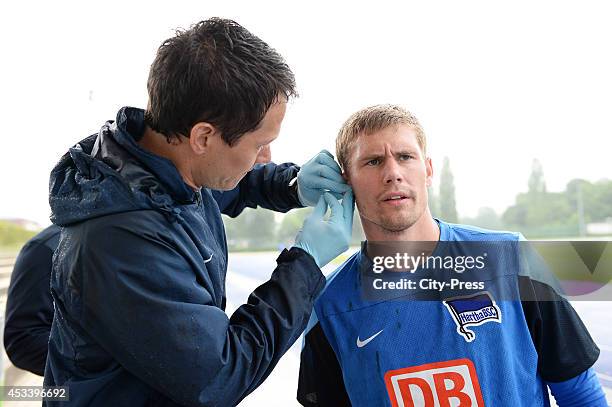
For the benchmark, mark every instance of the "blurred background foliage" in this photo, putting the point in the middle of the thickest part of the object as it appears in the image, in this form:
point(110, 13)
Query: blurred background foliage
point(536, 213)
point(13, 236)
point(583, 209)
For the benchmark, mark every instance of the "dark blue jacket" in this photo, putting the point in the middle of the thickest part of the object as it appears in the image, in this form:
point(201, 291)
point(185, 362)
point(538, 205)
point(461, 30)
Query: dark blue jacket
point(139, 281)
point(29, 306)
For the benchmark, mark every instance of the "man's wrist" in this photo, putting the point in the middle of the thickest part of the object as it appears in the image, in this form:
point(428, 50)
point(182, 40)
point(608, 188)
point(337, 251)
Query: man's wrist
point(293, 191)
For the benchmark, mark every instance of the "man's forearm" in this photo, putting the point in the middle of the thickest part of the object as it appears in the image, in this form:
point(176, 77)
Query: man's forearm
point(266, 186)
point(28, 350)
point(582, 390)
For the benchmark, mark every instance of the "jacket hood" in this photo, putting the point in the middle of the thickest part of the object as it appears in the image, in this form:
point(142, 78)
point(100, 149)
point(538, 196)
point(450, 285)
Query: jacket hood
point(109, 173)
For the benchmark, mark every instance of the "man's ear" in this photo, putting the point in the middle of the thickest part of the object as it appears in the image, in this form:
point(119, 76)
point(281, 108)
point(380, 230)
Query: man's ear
point(429, 169)
point(202, 136)
point(346, 177)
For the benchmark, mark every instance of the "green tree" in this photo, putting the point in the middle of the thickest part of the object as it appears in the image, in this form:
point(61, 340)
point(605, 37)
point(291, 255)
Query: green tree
point(599, 201)
point(13, 236)
point(252, 229)
point(448, 209)
point(596, 198)
point(536, 182)
point(291, 224)
point(486, 218)
point(539, 213)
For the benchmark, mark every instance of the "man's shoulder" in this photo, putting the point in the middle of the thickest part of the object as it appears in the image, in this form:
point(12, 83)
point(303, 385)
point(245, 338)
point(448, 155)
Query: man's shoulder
point(47, 233)
point(340, 284)
point(463, 232)
point(138, 223)
point(46, 239)
point(130, 243)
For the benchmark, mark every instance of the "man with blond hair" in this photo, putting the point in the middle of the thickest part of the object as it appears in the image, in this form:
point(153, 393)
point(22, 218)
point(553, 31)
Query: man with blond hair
point(370, 344)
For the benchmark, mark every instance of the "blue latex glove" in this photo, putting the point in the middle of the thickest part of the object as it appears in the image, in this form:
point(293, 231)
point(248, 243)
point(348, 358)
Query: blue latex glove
point(324, 239)
point(321, 174)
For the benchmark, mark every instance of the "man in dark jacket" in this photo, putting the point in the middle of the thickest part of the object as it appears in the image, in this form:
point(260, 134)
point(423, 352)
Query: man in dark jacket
point(29, 305)
point(139, 274)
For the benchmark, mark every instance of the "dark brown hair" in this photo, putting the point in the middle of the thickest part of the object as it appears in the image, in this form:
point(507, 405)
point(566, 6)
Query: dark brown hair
point(215, 72)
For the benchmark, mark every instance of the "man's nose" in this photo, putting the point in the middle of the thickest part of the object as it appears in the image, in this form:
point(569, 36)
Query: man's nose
point(392, 173)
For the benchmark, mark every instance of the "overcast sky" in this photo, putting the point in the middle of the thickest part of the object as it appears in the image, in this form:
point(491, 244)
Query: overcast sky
point(494, 84)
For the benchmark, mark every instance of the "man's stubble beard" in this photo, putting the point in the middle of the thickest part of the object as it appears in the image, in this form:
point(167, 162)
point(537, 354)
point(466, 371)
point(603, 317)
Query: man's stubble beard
point(394, 223)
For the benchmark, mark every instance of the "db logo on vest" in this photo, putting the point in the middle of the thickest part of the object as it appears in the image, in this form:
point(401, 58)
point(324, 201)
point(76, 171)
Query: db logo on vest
point(442, 384)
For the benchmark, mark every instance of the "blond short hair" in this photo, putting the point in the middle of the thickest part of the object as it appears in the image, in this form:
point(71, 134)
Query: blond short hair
point(370, 120)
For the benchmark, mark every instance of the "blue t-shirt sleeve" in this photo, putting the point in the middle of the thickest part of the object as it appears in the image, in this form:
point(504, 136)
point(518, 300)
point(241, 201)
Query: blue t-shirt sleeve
point(582, 390)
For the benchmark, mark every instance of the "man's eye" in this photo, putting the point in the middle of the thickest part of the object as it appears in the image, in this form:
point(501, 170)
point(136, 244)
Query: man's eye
point(405, 157)
point(373, 162)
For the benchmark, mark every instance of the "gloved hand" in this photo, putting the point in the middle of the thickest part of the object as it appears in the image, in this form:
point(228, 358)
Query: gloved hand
point(324, 239)
point(320, 174)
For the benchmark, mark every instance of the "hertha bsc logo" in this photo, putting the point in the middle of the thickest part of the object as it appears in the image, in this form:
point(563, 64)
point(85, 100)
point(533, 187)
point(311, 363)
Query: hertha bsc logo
point(472, 310)
point(449, 383)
